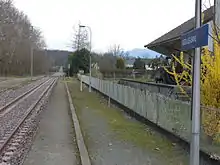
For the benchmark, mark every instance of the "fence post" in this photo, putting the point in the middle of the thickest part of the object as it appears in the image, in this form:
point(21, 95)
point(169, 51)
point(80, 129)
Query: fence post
point(99, 86)
point(145, 98)
point(109, 101)
point(109, 98)
point(157, 117)
point(80, 83)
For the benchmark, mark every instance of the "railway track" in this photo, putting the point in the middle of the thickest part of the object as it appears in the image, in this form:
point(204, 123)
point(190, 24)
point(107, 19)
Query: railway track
point(10, 94)
point(2, 80)
point(17, 120)
point(17, 84)
point(25, 94)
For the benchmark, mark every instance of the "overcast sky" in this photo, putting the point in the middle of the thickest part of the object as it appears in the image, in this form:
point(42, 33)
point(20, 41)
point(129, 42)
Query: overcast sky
point(130, 23)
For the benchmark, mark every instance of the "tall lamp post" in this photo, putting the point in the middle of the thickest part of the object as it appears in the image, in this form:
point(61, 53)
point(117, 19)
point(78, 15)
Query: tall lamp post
point(90, 58)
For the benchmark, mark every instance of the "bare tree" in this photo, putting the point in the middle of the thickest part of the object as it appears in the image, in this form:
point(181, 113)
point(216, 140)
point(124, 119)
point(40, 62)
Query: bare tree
point(80, 38)
point(116, 50)
point(107, 61)
point(16, 38)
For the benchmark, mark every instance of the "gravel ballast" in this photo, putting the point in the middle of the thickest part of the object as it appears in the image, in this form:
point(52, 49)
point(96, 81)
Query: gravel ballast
point(18, 146)
point(9, 95)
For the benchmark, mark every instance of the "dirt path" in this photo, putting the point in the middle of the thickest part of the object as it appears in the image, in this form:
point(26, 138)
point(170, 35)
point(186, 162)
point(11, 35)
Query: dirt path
point(55, 142)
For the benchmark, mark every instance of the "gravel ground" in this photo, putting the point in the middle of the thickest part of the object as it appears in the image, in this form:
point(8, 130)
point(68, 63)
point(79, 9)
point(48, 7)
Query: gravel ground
point(9, 95)
point(14, 82)
point(2, 79)
point(55, 142)
point(26, 133)
point(10, 120)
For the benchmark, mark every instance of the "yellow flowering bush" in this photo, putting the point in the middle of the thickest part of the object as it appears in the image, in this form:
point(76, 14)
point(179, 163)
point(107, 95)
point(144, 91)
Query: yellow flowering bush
point(210, 87)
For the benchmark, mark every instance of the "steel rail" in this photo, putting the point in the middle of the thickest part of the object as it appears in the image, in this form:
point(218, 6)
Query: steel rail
point(21, 96)
point(29, 110)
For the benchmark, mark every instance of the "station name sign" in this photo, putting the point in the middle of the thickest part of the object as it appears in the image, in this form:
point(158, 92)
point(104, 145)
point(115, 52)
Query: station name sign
point(195, 38)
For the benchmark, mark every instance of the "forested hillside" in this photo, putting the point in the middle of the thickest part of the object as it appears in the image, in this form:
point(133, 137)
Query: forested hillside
point(58, 57)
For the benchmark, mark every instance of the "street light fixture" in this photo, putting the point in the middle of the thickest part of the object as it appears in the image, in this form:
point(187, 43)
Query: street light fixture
point(90, 58)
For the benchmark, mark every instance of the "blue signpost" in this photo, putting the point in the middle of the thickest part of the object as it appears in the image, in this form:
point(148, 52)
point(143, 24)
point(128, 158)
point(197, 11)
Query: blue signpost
point(195, 38)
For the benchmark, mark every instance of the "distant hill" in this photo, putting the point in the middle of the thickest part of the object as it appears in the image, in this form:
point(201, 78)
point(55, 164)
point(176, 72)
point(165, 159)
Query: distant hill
point(143, 53)
point(131, 60)
point(58, 57)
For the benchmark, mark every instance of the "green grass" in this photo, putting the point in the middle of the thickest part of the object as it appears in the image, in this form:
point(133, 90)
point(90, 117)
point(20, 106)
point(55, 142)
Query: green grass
point(125, 129)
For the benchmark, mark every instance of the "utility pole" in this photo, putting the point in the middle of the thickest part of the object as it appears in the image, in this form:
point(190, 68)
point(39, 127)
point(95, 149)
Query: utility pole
point(195, 137)
point(32, 61)
point(45, 53)
point(31, 51)
point(90, 60)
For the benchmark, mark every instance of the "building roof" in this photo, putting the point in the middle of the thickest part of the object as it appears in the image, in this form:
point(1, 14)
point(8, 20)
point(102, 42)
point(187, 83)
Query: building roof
point(178, 31)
